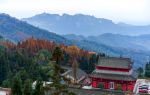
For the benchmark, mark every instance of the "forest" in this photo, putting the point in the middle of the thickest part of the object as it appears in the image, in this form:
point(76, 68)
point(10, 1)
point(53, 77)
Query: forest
point(34, 60)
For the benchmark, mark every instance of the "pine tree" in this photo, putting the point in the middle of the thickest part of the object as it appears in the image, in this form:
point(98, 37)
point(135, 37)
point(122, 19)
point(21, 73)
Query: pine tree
point(147, 70)
point(140, 72)
point(58, 86)
point(27, 89)
point(57, 55)
point(17, 85)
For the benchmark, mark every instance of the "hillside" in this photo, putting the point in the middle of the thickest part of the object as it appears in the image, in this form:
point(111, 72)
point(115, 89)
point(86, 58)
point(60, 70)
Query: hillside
point(1, 38)
point(134, 43)
point(135, 47)
point(83, 25)
point(16, 30)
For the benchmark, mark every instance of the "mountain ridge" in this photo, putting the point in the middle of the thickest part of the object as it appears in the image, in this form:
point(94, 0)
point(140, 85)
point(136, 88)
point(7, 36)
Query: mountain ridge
point(10, 29)
point(86, 25)
point(13, 29)
point(16, 30)
point(122, 41)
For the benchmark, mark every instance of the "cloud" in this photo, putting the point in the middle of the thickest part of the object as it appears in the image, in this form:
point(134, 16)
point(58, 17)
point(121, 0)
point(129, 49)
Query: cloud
point(130, 11)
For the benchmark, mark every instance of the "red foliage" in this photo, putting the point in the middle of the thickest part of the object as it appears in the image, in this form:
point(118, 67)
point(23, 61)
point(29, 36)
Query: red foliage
point(7, 44)
point(34, 45)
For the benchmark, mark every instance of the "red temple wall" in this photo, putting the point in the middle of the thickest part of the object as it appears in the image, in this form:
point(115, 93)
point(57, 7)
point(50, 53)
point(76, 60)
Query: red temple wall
point(94, 84)
point(124, 84)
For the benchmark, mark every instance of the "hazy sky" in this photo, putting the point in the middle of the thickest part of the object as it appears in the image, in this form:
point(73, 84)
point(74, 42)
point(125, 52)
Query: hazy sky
point(129, 11)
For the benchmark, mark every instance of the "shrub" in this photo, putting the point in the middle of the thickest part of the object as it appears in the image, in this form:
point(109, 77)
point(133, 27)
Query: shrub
point(101, 85)
point(119, 87)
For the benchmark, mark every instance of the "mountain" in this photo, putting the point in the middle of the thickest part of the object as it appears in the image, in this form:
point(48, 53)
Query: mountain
point(16, 30)
point(135, 47)
point(1, 37)
point(74, 37)
point(123, 41)
point(86, 25)
point(134, 43)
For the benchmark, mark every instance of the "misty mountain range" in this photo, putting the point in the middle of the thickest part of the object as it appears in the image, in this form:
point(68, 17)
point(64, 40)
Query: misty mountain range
point(16, 30)
point(126, 39)
point(84, 25)
point(136, 47)
point(134, 43)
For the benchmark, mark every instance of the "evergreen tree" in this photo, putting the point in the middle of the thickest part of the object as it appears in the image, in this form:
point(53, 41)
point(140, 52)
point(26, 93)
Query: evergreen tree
point(147, 70)
point(8, 82)
point(57, 55)
point(92, 62)
point(4, 64)
point(17, 85)
point(27, 89)
point(58, 86)
point(140, 72)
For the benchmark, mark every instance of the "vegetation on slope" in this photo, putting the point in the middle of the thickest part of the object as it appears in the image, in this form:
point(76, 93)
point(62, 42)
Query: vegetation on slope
point(16, 30)
point(34, 60)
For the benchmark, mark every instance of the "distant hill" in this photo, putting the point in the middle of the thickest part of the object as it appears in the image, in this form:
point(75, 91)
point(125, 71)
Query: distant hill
point(86, 25)
point(134, 43)
point(74, 37)
point(123, 41)
point(16, 30)
point(135, 47)
point(1, 37)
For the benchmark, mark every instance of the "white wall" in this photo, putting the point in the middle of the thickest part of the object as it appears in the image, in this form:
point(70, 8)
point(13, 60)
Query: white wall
point(2, 93)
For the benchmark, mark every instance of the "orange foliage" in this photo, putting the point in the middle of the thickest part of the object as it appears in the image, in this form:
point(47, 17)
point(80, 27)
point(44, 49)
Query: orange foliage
point(7, 44)
point(34, 45)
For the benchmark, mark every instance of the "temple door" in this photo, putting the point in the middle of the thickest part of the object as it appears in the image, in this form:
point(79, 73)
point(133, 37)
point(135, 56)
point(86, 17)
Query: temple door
point(111, 85)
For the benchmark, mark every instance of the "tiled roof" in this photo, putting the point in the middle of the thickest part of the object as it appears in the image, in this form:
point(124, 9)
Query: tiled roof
point(114, 62)
point(80, 73)
point(110, 76)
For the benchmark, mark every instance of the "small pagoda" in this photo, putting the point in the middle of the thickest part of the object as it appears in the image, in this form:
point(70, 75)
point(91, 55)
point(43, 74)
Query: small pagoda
point(112, 72)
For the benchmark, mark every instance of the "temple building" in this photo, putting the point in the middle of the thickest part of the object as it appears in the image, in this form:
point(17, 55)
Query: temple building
point(112, 72)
